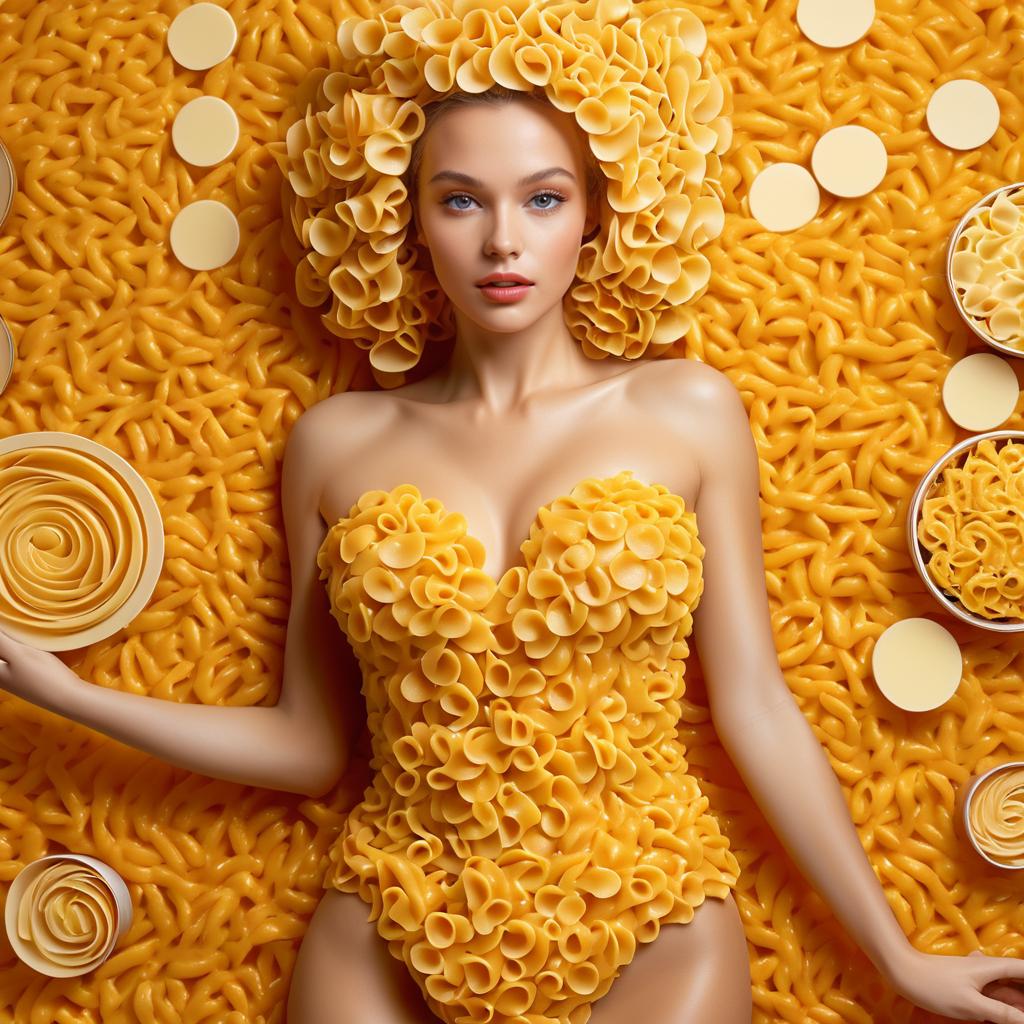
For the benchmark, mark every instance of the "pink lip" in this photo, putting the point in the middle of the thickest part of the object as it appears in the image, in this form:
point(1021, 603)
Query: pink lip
point(492, 278)
point(505, 293)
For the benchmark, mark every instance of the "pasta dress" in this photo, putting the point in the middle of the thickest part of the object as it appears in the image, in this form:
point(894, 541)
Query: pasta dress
point(530, 816)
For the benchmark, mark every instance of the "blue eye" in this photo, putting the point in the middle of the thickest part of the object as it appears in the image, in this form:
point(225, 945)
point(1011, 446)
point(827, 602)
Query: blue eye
point(548, 208)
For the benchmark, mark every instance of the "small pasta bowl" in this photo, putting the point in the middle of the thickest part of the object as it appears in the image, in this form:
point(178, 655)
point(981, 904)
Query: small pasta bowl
point(972, 322)
point(962, 811)
point(919, 553)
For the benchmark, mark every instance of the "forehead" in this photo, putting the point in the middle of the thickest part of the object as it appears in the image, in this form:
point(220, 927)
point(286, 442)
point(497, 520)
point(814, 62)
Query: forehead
point(501, 140)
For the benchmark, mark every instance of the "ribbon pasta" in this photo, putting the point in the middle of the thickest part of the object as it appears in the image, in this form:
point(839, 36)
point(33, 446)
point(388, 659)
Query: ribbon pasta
point(973, 525)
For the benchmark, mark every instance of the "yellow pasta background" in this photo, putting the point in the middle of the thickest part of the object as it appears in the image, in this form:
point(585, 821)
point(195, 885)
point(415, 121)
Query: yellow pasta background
point(838, 336)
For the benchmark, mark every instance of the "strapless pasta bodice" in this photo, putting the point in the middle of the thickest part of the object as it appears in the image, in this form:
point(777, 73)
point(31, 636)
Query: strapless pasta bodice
point(530, 815)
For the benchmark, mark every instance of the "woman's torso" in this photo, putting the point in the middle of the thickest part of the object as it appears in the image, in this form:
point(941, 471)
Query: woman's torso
point(498, 471)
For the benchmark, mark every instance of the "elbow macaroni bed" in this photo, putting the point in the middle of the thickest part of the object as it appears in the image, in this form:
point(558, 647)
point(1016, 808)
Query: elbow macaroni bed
point(838, 335)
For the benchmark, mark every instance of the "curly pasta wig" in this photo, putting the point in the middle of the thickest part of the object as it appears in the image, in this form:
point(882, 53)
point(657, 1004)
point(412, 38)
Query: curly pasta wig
point(638, 83)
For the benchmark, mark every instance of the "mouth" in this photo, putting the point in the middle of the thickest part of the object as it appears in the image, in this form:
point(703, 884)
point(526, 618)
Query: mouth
point(503, 281)
point(505, 289)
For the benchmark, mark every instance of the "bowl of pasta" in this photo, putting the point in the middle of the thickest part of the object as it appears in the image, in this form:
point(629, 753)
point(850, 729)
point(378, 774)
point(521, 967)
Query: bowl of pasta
point(985, 269)
point(965, 530)
point(987, 812)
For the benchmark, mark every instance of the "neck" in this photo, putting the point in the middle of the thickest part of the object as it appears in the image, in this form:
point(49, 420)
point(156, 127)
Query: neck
point(503, 371)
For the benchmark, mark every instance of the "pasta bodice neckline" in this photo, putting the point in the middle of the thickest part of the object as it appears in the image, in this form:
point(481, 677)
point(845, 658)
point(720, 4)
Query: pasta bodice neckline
point(615, 560)
point(377, 496)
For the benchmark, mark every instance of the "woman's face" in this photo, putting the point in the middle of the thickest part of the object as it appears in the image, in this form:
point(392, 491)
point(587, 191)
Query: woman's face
point(502, 188)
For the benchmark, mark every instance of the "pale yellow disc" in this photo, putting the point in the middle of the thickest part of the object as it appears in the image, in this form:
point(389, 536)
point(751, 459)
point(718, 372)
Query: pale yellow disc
point(917, 664)
point(849, 161)
point(835, 23)
point(205, 131)
point(980, 391)
point(963, 114)
point(201, 35)
point(204, 235)
point(784, 197)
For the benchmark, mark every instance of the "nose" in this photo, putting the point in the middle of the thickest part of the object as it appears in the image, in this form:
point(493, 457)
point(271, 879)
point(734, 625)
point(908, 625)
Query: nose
point(503, 238)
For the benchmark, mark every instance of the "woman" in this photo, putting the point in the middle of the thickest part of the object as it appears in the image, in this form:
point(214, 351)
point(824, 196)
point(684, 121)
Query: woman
point(521, 419)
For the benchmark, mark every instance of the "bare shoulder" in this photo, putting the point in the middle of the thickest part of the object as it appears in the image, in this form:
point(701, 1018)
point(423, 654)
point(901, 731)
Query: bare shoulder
point(702, 403)
point(328, 435)
point(342, 421)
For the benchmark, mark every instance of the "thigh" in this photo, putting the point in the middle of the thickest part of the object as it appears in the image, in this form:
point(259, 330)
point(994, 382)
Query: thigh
point(699, 971)
point(344, 973)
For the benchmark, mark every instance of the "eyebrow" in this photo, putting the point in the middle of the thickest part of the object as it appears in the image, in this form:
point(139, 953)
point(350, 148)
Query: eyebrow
point(465, 179)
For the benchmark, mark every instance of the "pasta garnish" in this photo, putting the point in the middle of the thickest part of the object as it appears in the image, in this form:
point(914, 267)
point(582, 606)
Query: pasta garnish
point(972, 524)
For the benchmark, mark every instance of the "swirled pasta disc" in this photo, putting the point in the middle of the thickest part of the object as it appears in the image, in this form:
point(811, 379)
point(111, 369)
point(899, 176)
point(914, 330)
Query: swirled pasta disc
point(205, 132)
point(81, 540)
point(849, 161)
point(784, 197)
point(204, 235)
point(963, 114)
point(980, 391)
point(65, 913)
point(835, 23)
point(8, 182)
point(917, 664)
point(201, 35)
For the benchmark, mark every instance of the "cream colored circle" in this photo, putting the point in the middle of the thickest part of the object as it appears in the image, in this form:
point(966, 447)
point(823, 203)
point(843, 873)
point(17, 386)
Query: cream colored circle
point(205, 132)
point(963, 114)
point(849, 161)
point(204, 235)
point(201, 35)
point(917, 664)
point(980, 391)
point(835, 23)
point(784, 197)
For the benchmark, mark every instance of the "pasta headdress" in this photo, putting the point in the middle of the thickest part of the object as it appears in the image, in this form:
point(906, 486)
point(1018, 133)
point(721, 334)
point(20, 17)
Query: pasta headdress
point(636, 79)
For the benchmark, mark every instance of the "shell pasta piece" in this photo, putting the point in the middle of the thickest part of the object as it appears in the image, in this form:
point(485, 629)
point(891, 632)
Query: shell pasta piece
point(972, 523)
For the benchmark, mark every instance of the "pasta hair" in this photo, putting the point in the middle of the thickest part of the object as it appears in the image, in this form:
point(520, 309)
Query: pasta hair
point(638, 83)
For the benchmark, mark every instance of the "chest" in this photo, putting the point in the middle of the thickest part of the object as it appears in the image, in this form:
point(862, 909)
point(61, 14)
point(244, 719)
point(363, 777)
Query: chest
point(499, 479)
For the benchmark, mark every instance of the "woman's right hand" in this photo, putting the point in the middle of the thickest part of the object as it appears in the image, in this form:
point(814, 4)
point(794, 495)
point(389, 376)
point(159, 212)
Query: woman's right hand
point(30, 673)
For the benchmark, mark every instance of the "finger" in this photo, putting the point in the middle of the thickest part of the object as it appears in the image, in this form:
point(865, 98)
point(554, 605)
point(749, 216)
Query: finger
point(996, 1011)
point(1008, 994)
point(1003, 968)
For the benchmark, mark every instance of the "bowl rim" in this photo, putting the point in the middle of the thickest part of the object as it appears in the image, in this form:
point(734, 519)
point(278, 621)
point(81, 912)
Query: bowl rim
point(954, 237)
point(965, 811)
point(7, 341)
point(949, 603)
point(9, 169)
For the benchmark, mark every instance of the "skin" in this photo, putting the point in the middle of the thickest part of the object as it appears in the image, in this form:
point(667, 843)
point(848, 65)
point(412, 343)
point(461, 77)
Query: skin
point(517, 418)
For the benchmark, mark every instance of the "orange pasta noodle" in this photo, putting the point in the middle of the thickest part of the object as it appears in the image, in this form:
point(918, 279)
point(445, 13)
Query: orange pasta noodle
point(837, 335)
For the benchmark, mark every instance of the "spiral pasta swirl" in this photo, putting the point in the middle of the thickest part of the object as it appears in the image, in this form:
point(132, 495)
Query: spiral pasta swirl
point(997, 816)
point(68, 918)
point(531, 817)
point(635, 77)
point(74, 544)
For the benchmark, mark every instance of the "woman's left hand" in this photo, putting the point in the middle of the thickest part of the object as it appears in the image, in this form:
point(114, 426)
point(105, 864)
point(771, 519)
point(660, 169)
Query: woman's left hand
point(973, 987)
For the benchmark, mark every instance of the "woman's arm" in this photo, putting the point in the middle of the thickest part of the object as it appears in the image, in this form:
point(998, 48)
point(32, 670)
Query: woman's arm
point(756, 717)
point(302, 743)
